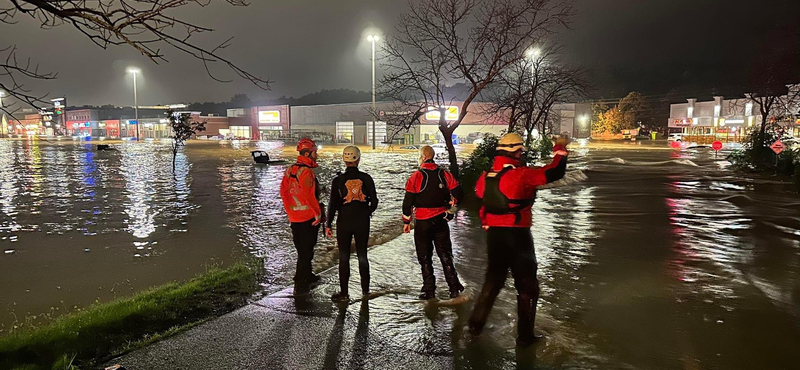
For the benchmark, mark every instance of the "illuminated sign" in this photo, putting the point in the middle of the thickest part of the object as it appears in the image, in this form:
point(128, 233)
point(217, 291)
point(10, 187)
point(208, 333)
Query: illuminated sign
point(269, 116)
point(683, 122)
point(797, 122)
point(735, 121)
point(450, 115)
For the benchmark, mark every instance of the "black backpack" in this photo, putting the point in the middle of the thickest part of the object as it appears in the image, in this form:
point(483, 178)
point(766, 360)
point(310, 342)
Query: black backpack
point(434, 192)
point(495, 202)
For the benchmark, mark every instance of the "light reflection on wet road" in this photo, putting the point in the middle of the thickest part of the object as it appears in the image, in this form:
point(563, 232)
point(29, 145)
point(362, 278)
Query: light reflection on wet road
point(647, 259)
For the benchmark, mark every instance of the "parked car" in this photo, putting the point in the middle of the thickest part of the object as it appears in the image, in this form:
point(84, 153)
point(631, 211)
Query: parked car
point(472, 137)
point(440, 149)
point(675, 137)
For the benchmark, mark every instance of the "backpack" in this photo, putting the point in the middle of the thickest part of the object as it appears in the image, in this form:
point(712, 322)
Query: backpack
point(433, 192)
point(495, 202)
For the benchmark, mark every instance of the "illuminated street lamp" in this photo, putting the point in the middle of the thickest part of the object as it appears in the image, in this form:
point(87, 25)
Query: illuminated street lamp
point(135, 71)
point(584, 119)
point(373, 39)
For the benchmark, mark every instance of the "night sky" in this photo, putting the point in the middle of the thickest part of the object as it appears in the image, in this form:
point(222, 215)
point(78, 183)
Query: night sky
point(675, 47)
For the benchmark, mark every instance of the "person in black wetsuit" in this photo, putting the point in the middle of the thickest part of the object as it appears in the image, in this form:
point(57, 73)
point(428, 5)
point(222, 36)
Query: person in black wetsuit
point(353, 196)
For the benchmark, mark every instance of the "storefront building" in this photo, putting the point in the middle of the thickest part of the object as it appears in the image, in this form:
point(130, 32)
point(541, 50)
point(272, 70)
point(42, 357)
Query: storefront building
point(728, 120)
point(259, 123)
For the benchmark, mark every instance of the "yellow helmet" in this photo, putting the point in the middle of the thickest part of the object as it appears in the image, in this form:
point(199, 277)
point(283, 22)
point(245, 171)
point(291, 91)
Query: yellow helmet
point(351, 154)
point(510, 142)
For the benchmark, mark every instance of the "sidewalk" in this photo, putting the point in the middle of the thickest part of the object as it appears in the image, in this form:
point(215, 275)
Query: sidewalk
point(393, 329)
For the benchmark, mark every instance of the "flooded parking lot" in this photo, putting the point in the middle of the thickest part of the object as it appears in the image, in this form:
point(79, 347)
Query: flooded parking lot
point(647, 258)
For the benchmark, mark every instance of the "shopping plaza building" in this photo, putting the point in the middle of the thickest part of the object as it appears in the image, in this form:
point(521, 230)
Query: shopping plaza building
point(730, 120)
point(334, 123)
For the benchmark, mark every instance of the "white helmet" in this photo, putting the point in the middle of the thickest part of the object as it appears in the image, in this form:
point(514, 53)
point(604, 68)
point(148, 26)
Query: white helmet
point(351, 154)
point(510, 142)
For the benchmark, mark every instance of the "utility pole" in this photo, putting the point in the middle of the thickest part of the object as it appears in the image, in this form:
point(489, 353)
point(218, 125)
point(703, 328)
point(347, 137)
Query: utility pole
point(373, 38)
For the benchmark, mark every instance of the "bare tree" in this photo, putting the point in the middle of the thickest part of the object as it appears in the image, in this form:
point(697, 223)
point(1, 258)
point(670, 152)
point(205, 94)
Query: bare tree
point(182, 129)
point(441, 42)
point(145, 25)
point(528, 91)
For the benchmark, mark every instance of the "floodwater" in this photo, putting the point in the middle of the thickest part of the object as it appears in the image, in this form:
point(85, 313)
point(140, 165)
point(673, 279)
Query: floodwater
point(648, 259)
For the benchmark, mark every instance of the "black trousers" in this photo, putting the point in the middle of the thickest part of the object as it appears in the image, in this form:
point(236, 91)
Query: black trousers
point(509, 248)
point(427, 234)
point(347, 228)
point(304, 235)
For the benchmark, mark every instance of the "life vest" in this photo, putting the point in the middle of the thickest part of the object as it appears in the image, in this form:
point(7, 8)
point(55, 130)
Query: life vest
point(433, 192)
point(352, 190)
point(291, 188)
point(495, 202)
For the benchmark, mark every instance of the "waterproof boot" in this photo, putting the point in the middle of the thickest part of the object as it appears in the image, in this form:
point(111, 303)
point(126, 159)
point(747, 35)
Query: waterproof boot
point(340, 297)
point(427, 295)
point(483, 305)
point(428, 280)
point(526, 309)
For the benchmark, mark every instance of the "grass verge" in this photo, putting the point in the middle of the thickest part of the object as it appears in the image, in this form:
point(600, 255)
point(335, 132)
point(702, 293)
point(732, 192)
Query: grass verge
point(86, 338)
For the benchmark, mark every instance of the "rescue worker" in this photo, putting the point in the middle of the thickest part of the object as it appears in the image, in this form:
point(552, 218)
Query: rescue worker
point(508, 192)
point(430, 192)
point(353, 196)
point(300, 192)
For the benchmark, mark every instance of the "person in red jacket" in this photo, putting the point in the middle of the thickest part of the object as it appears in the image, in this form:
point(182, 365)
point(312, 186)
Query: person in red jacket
point(508, 192)
point(430, 192)
point(300, 192)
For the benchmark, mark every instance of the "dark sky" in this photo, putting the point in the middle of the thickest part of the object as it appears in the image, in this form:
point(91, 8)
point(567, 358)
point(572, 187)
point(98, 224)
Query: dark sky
point(655, 46)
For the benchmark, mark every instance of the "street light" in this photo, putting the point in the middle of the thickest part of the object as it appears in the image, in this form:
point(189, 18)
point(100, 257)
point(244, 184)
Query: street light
point(4, 129)
point(373, 39)
point(584, 118)
point(135, 71)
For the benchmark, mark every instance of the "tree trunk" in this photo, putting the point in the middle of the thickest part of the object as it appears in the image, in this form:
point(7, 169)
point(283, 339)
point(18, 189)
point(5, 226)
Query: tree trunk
point(174, 157)
point(511, 122)
point(447, 132)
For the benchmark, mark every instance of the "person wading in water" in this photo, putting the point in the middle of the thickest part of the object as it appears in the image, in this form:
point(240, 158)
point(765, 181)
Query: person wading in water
point(353, 196)
point(508, 192)
point(430, 192)
point(300, 192)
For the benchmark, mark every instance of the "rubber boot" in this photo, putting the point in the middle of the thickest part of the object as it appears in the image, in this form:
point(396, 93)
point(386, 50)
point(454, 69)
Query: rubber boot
point(526, 309)
point(428, 280)
point(483, 306)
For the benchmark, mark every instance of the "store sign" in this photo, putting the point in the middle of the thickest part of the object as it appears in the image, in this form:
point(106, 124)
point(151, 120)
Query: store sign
point(683, 122)
point(797, 122)
point(433, 114)
point(269, 116)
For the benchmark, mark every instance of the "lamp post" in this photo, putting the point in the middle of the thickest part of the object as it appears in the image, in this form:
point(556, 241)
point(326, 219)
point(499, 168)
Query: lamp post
point(135, 71)
point(4, 128)
point(373, 39)
point(584, 118)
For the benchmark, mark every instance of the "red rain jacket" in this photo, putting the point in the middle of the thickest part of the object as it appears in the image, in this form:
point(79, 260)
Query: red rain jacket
point(520, 183)
point(300, 191)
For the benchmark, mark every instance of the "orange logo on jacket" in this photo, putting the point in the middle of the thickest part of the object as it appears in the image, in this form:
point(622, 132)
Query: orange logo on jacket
point(354, 191)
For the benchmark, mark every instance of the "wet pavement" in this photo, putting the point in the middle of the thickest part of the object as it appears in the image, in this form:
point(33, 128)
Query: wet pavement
point(648, 259)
